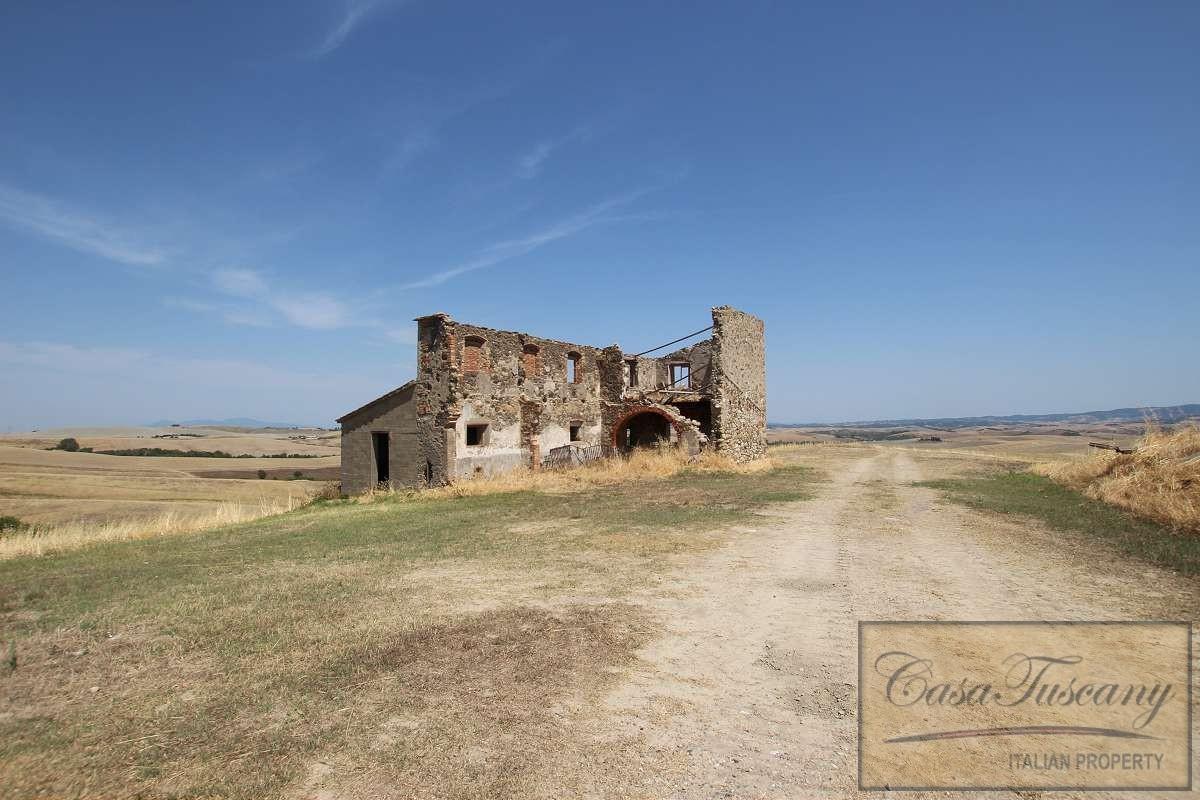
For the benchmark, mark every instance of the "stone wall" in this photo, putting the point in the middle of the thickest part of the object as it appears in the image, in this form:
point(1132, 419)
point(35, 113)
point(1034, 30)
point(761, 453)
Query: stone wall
point(437, 382)
point(517, 385)
point(739, 384)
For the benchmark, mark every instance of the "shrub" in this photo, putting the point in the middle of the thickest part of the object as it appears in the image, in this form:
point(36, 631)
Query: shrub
point(262, 473)
point(330, 491)
point(297, 474)
point(12, 523)
point(68, 444)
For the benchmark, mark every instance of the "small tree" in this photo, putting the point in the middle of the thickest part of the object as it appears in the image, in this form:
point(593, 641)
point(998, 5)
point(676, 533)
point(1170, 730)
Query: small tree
point(297, 474)
point(68, 444)
point(262, 473)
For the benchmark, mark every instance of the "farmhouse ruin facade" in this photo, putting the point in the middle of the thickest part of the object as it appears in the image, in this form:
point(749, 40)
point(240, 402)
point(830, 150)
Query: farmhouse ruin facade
point(486, 401)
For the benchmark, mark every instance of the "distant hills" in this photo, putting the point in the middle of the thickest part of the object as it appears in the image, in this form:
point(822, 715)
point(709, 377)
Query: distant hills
point(231, 422)
point(1165, 414)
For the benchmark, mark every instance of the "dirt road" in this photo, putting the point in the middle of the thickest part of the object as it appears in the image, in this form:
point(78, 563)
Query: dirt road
point(752, 691)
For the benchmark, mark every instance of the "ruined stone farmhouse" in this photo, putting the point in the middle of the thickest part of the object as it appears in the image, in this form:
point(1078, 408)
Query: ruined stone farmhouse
point(485, 401)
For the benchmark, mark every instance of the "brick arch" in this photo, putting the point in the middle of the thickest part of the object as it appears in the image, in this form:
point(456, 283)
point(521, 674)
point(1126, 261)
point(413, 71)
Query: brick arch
point(628, 415)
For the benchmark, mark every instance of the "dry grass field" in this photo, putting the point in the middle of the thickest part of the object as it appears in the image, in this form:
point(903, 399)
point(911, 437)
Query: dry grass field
point(76, 492)
point(649, 628)
point(662, 631)
point(1033, 442)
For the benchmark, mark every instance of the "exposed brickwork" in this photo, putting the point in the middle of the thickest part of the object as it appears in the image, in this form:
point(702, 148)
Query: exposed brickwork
point(530, 362)
point(517, 385)
point(474, 357)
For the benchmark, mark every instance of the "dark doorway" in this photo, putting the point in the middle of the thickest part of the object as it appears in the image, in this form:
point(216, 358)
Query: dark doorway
point(380, 443)
point(700, 411)
point(643, 430)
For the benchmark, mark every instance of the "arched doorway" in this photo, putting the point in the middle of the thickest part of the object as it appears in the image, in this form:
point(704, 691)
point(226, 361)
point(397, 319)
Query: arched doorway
point(643, 427)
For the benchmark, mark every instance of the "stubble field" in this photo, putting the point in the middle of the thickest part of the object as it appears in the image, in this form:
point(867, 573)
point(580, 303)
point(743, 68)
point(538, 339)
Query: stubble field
point(44, 487)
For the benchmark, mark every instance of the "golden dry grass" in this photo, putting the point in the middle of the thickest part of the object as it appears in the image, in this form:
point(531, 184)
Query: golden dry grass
point(178, 519)
point(71, 535)
point(236, 441)
point(646, 464)
point(1159, 481)
point(51, 488)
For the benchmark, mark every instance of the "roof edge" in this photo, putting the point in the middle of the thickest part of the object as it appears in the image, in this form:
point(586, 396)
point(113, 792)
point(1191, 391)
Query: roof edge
point(379, 399)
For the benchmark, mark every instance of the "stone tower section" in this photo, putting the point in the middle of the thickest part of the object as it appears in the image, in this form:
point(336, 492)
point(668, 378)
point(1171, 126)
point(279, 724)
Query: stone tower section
point(439, 373)
point(739, 384)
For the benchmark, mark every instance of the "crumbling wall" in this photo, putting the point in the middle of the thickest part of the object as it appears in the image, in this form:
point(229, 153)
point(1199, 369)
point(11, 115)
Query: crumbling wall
point(739, 384)
point(485, 400)
point(436, 414)
point(517, 385)
point(698, 357)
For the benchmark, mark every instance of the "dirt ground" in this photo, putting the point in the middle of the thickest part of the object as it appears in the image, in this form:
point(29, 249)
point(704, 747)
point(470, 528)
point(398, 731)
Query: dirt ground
point(751, 691)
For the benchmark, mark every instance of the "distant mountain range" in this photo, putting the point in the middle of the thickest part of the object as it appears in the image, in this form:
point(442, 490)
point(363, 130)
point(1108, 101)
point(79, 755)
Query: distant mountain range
point(231, 422)
point(1166, 414)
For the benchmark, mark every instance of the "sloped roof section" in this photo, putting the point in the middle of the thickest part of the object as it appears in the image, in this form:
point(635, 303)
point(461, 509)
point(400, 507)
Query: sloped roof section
point(381, 399)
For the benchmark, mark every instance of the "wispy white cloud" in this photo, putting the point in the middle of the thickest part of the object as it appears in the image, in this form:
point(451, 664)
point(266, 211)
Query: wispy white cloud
point(413, 128)
point(412, 145)
point(281, 167)
point(75, 229)
point(246, 316)
point(240, 282)
point(513, 248)
point(313, 310)
point(249, 299)
point(353, 14)
point(529, 164)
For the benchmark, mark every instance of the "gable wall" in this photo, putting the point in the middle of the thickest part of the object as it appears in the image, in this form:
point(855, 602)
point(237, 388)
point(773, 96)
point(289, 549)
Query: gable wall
point(395, 416)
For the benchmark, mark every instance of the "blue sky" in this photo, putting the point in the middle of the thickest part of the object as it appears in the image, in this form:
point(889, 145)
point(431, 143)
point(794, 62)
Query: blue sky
point(237, 209)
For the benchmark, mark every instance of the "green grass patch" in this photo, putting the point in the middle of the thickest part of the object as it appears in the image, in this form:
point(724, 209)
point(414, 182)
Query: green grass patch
point(1063, 509)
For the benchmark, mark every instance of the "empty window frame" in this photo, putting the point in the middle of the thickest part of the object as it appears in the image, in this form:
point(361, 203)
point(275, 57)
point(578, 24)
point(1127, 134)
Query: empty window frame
point(476, 435)
point(473, 357)
point(631, 373)
point(576, 430)
point(573, 370)
point(681, 376)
